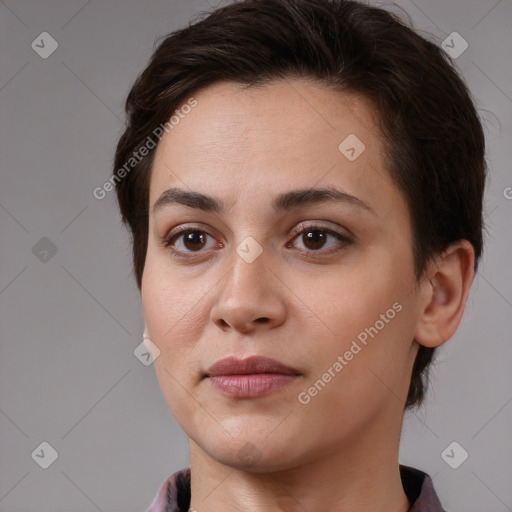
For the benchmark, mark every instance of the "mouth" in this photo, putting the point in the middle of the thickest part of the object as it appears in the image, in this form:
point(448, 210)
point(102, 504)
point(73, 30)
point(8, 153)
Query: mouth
point(251, 377)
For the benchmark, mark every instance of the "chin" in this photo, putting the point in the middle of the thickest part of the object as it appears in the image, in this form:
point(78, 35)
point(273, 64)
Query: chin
point(251, 453)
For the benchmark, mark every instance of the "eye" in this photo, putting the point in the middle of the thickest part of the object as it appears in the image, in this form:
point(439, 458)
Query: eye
point(315, 237)
point(188, 240)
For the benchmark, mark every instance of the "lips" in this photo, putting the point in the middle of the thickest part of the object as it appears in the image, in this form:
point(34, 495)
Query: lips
point(252, 377)
point(249, 366)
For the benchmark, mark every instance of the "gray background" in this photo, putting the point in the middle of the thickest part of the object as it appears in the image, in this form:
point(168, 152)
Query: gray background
point(70, 324)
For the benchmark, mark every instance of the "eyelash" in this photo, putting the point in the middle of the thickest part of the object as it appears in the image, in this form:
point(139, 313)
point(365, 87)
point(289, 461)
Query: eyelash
point(169, 240)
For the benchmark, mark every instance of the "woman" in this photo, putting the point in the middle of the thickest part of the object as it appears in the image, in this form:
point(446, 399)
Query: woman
point(303, 180)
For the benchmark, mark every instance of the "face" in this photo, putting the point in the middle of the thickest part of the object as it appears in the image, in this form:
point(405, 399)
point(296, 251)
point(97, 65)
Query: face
point(321, 282)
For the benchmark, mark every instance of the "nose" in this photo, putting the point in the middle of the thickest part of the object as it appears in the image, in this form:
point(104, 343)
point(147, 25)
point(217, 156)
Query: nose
point(250, 297)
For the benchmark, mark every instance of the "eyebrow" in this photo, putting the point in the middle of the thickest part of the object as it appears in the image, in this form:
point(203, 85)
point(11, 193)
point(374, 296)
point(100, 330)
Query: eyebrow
point(284, 202)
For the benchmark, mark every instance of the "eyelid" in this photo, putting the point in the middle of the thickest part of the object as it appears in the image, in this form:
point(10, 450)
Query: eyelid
point(320, 225)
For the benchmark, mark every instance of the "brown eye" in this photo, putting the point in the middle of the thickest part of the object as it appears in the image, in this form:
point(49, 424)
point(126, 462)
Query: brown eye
point(188, 240)
point(194, 240)
point(314, 239)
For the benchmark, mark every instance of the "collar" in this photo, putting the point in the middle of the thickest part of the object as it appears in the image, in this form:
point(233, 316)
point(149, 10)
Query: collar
point(174, 493)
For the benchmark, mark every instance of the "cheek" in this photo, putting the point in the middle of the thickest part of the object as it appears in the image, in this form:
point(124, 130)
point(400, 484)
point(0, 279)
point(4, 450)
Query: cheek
point(172, 305)
point(366, 317)
point(173, 321)
point(344, 302)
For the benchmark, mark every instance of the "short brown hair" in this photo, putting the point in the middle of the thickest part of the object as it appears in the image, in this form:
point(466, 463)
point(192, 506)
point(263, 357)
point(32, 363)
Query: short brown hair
point(433, 135)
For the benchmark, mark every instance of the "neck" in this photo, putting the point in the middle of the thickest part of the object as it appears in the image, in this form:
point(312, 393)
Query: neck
point(363, 475)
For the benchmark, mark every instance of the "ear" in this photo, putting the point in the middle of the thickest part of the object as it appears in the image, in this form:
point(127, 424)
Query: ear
point(444, 292)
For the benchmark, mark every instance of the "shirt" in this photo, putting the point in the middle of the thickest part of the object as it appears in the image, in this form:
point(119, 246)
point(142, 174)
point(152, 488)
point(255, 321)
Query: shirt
point(174, 493)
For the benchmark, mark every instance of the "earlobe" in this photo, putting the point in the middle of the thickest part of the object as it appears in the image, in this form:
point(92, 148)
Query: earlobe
point(444, 294)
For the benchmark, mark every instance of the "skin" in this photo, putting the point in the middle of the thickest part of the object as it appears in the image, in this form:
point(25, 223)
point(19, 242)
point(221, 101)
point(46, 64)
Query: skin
point(244, 147)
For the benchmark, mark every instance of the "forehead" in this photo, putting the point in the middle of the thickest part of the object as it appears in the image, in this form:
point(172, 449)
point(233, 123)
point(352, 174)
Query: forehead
point(246, 143)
